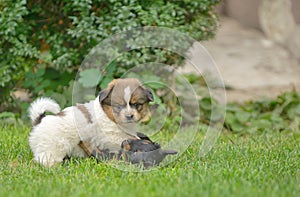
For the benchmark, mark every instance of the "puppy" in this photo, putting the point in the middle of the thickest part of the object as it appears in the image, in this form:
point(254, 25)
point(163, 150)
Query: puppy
point(144, 151)
point(136, 151)
point(105, 122)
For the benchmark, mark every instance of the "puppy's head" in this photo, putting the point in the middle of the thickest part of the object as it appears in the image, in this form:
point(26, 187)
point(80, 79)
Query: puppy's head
point(126, 101)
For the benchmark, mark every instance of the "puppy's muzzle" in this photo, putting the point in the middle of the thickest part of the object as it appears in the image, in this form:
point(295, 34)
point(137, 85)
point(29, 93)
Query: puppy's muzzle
point(129, 116)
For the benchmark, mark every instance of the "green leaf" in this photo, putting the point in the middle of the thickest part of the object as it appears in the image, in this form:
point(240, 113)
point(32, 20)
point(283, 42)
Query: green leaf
point(263, 124)
point(205, 103)
point(110, 69)
point(60, 98)
point(152, 81)
point(105, 81)
point(230, 118)
point(30, 74)
point(52, 74)
point(293, 112)
point(7, 115)
point(46, 56)
point(155, 85)
point(45, 83)
point(237, 127)
point(297, 110)
point(243, 117)
point(90, 77)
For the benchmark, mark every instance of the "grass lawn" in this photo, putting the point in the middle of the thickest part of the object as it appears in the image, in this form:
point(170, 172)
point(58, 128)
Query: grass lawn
point(265, 164)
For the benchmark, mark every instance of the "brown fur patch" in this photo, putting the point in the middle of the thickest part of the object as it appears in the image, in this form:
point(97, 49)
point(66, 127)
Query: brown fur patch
point(38, 119)
point(127, 147)
point(109, 112)
point(61, 114)
point(104, 93)
point(145, 113)
point(139, 96)
point(85, 112)
point(87, 147)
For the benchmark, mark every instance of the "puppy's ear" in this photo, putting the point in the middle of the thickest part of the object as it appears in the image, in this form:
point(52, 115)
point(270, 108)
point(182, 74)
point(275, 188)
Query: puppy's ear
point(149, 94)
point(143, 136)
point(104, 93)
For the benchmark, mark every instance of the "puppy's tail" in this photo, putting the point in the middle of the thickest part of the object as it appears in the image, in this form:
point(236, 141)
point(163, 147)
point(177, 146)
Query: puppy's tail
point(39, 107)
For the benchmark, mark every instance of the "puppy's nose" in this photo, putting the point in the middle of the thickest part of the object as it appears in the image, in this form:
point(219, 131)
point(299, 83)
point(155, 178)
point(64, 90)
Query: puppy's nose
point(129, 116)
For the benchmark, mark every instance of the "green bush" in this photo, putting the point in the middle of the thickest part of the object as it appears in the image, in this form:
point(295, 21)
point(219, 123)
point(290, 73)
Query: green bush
point(39, 37)
point(282, 113)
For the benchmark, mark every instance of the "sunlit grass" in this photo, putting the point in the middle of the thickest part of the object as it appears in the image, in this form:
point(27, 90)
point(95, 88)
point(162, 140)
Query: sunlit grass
point(265, 164)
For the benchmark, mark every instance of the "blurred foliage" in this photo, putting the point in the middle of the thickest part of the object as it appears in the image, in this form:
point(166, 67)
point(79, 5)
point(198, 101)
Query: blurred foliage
point(281, 113)
point(266, 115)
point(42, 43)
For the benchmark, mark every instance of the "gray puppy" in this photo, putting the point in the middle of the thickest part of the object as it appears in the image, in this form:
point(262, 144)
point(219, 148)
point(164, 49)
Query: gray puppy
point(136, 151)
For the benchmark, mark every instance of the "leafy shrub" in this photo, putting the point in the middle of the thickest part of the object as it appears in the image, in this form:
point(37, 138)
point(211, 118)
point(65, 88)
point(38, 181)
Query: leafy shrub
point(282, 113)
point(264, 115)
point(42, 40)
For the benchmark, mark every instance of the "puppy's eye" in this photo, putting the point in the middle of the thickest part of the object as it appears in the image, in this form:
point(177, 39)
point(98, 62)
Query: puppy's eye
point(137, 106)
point(117, 108)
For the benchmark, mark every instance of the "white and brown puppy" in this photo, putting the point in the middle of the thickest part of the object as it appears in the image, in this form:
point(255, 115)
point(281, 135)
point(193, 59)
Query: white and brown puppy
point(105, 122)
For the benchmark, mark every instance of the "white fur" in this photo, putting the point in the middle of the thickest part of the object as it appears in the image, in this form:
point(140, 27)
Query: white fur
point(127, 94)
point(41, 106)
point(58, 136)
point(127, 97)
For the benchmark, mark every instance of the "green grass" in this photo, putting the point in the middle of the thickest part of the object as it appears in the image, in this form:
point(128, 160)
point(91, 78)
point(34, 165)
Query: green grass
point(265, 164)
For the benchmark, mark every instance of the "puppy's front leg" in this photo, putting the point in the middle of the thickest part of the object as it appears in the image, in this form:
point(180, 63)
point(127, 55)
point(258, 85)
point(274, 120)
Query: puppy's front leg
point(86, 146)
point(97, 153)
